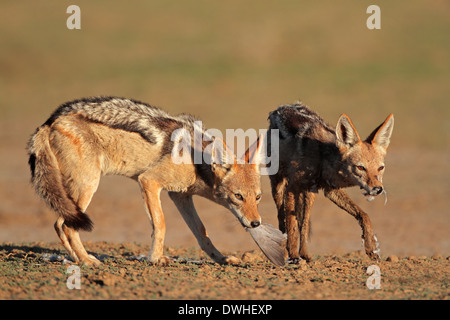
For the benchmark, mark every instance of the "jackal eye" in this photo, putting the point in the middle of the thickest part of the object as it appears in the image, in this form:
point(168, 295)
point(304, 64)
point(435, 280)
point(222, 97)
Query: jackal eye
point(239, 196)
point(380, 168)
point(360, 168)
point(258, 196)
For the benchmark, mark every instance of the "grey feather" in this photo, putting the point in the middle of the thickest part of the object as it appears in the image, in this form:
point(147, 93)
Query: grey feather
point(271, 242)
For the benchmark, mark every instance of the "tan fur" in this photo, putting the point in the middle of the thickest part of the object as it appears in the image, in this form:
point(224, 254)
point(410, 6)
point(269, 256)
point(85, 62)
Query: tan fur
point(86, 139)
point(314, 156)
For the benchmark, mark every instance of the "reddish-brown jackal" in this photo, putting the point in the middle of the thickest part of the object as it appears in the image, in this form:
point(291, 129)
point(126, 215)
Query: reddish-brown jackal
point(313, 156)
point(86, 139)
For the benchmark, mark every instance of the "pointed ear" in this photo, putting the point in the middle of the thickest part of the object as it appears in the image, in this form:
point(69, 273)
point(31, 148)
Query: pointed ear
point(382, 134)
point(346, 132)
point(252, 155)
point(222, 159)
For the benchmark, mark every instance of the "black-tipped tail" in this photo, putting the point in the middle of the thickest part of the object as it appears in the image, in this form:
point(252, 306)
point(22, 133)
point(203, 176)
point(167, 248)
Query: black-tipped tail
point(79, 221)
point(47, 180)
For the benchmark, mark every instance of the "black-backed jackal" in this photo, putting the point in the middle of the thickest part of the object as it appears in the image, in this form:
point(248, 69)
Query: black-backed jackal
point(313, 156)
point(86, 139)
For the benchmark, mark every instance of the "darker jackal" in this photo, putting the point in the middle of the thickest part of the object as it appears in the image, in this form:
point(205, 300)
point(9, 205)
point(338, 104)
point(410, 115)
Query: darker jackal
point(314, 156)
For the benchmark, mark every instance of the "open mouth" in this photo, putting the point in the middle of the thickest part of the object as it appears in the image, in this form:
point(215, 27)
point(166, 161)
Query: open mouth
point(370, 197)
point(367, 194)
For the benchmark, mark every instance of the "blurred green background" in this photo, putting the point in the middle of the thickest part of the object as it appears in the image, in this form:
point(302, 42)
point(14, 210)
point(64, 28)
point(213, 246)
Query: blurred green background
point(231, 63)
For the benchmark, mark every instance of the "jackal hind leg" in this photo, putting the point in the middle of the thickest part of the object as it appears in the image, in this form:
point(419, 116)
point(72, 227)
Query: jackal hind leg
point(185, 206)
point(343, 201)
point(151, 193)
point(81, 176)
point(278, 185)
point(70, 237)
point(303, 208)
point(292, 223)
point(64, 240)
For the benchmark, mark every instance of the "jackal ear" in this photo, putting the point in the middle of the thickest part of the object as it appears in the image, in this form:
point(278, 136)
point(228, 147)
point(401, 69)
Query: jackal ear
point(222, 159)
point(382, 134)
point(253, 153)
point(346, 132)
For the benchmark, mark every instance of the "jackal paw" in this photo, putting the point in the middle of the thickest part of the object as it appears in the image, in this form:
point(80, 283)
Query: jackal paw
point(373, 254)
point(305, 256)
point(90, 261)
point(372, 248)
point(294, 260)
point(230, 260)
point(298, 260)
point(161, 261)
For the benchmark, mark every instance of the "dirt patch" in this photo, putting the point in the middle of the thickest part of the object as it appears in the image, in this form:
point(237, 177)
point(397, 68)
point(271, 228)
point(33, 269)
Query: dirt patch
point(26, 272)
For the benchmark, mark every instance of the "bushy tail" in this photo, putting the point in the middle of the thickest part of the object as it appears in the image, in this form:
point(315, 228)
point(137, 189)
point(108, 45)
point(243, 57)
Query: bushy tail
point(47, 180)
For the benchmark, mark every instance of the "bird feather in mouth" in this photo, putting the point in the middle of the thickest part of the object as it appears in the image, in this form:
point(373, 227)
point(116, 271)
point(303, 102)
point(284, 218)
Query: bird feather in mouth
point(271, 241)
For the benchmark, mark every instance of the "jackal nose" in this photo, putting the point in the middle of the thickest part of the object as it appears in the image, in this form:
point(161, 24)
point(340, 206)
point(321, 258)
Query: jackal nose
point(255, 224)
point(377, 190)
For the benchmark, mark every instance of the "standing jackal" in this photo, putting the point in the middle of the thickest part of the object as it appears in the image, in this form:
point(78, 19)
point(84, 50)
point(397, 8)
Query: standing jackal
point(314, 156)
point(86, 139)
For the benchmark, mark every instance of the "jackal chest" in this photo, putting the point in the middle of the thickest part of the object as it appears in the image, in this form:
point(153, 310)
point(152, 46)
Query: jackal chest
point(305, 175)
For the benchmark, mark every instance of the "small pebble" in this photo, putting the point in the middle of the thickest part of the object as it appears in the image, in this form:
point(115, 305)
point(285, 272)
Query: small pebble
point(51, 257)
point(392, 258)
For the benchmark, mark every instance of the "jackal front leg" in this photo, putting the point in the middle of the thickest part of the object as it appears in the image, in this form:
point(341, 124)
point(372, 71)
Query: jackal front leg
point(185, 206)
point(305, 203)
point(278, 193)
point(292, 224)
point(343, 201)
point(151, 194)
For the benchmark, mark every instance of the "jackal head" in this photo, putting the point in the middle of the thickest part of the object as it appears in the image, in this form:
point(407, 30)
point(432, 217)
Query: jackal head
point(363, 161)
point(237, 186)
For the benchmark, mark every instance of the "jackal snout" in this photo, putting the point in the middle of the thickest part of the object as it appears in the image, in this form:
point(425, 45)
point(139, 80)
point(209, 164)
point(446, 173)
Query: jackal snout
point(255, 224)
point(377, 190)
point(376, 185)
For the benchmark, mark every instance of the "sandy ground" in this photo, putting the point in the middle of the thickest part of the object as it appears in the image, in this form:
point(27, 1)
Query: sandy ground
point(35, 271)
